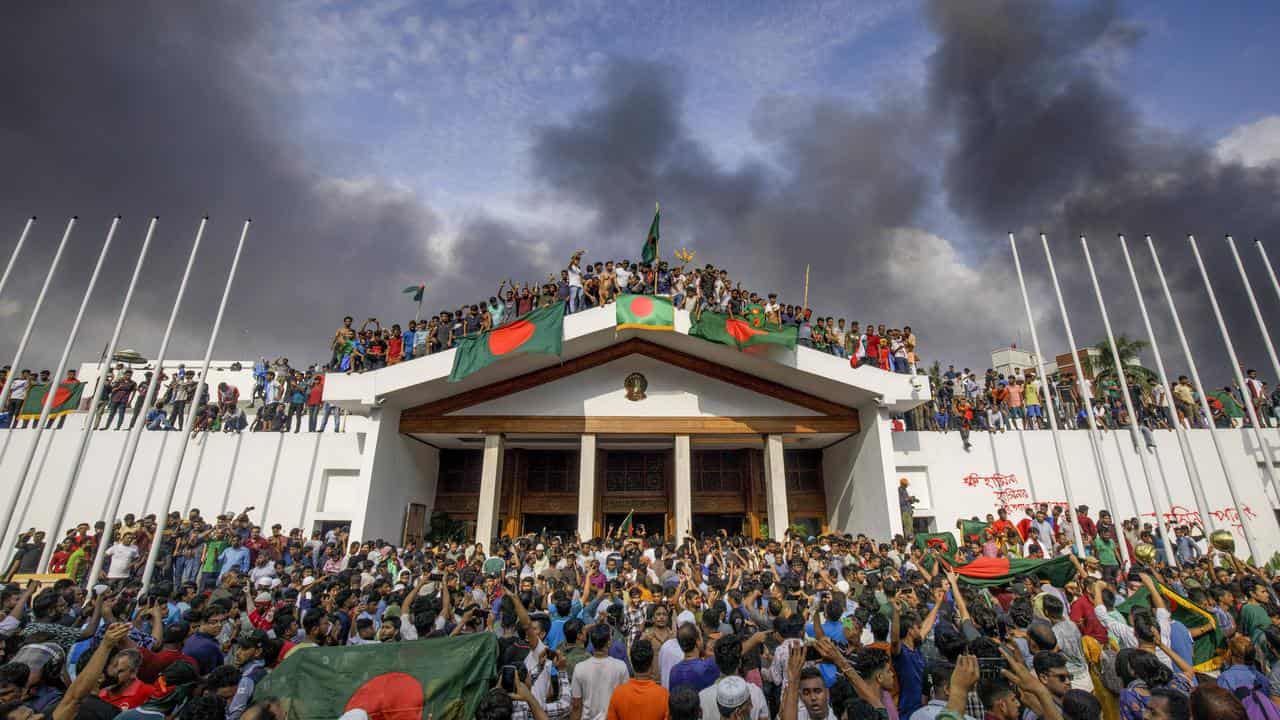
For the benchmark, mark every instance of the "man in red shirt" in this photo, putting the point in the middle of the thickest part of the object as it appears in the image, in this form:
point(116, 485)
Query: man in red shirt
point(1001, 527)
point(154, 663)
point(1082, 609)
point(1025, 523)
point(126, 691)
point(1088, 531)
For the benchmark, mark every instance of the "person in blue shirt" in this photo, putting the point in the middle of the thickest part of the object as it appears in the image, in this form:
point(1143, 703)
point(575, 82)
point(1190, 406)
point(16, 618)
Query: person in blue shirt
point(406, 340)
point(908, 658)
point(233, 557)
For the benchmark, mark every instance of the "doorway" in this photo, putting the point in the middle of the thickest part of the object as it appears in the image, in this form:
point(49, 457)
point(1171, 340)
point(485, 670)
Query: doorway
point(562, 526)
point(705, 524)
point(651, 523)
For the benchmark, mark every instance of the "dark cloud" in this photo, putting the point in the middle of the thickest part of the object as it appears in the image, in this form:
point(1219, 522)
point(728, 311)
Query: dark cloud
point(1042, 141)
point(158, 110)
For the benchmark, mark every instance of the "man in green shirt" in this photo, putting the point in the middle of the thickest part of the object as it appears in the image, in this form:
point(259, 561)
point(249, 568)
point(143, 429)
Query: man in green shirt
point(213, 547)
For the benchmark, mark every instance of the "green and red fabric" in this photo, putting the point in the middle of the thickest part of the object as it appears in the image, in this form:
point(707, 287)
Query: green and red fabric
point(649, 251)
point(541, 331)
point(1204, 649)
point(66, 399)
point(943, 542)
point(992, 571)
point(624, 528)
point(729, 330)
point(417, 291)
point(446, 677)
point(974, 529)
point(645, 312)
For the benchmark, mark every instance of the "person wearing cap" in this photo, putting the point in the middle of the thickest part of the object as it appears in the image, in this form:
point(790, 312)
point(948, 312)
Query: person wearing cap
point(731, 696)
point(253, 667)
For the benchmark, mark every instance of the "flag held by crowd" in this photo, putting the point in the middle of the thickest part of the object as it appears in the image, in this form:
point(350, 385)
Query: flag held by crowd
point(729, 330)
point(645, 312)
point(1204, 649)
point(541, 331)
point(992, 571)
point(66, 399)
point(417, 291)
point(395, 681)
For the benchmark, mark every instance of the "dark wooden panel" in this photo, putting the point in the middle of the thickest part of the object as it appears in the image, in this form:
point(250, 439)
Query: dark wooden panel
point(463, 504)
point(719, 503)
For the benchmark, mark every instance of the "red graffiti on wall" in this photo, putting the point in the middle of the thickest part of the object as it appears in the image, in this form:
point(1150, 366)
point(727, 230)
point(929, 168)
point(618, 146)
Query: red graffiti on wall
point(994, 481)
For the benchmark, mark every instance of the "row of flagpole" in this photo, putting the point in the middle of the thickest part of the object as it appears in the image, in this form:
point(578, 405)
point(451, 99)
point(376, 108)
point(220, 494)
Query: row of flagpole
point(11, 523)
point(1159, 494)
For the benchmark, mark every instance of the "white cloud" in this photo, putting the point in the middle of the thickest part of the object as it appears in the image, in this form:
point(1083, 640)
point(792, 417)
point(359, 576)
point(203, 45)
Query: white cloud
point(1253, 145)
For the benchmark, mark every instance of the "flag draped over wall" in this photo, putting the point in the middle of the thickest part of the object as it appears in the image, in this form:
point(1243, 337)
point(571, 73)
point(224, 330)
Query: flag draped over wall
point(728, 330)
point(66, 399)
point(991, 571)
point(394, 681)
point(541, 331)
point(645, 312)
point(1204, 650)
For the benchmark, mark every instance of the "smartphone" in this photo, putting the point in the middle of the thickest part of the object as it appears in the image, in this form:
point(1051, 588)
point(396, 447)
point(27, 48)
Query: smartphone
point(508, 680)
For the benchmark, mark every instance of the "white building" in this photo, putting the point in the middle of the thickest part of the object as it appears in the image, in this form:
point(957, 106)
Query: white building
point(1012, 360)
point(753, 441)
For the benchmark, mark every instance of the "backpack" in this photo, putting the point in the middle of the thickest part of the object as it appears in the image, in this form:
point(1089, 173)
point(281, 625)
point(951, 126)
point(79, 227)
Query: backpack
point(1257, 706)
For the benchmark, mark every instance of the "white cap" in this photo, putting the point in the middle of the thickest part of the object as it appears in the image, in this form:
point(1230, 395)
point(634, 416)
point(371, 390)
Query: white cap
point(264, 582)
point(307, 581)
point(732, 692)
point(686, 618)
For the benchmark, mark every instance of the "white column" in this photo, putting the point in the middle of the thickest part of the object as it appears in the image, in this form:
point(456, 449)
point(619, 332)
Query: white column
point(775, 486)
point(490, 489)
point(587, 487)
point(684, 489)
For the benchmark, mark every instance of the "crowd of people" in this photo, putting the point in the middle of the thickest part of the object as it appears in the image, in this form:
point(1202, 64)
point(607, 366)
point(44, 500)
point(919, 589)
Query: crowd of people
point(281, 397)
point(996, 402)
point(638, 626)
point(583, 285)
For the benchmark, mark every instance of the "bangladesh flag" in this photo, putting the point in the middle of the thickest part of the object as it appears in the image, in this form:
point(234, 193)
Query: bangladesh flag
point(541, 331)
point(649, 252)
point(390, 681)
point(974, 529)
point(624, 528)
point(66, 399)
point(645, 312)
point(1204, 650)
point(943, 542)
point(729, 330)
point(417, 291)
point(989, 572)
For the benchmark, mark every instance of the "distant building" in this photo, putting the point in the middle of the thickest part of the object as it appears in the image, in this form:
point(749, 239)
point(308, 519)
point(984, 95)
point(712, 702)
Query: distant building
point(1012, 360)
point(1090, 363)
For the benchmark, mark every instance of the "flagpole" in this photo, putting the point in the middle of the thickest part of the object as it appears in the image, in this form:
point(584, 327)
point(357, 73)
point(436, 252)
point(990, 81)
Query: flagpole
point(135, 432)
point(1204, 405)
point(1184, 445)
point(1257, 314)
point(15, 366)
point(1086, 399)
point(162, 517)
point(60, 510)
point(1078, 541)
point(417, 316)
point(806, 287)
point(1235, 369)
point(1157, 501)
point(1266, 263)
point(13, 256)
point(657, 255)
point(50, 394)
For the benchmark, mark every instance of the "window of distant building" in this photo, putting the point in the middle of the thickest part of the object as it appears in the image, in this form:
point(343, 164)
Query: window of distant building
point(719, 470)
point(635, 472)
point(804, 470)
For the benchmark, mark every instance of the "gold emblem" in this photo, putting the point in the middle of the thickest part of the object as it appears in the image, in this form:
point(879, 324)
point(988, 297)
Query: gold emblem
point(635, 385)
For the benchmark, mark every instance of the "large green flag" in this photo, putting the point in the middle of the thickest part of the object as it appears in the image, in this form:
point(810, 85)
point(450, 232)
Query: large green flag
point(541, 331)
point(992, 571)
point(649, 252)
point(729, 330)
point(1204, 649)
point(645, 312)
point(943, 542)
point(445, 677)
point(66, 399)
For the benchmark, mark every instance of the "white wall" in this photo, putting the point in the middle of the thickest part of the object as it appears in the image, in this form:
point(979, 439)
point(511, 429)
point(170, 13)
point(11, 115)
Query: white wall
point(401, 470)
point(1013, 468)
point(672, 392)
point(290, 465)
point(860, 484)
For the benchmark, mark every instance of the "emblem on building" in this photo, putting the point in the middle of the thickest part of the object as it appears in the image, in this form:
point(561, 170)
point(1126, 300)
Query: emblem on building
point(635, 385)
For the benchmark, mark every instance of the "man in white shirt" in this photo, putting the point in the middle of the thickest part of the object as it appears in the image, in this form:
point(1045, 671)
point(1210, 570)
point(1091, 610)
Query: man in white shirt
point(595, 678)
point(122, 555)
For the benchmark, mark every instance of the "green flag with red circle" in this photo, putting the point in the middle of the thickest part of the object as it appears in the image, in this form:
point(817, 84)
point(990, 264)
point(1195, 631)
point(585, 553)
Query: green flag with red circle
point(541, 331)
point(645, 312)
point(730, 330)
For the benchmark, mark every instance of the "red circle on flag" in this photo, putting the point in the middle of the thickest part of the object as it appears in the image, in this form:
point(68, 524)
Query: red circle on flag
point(641, 306)
point(505, 339)
point(389, 696)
